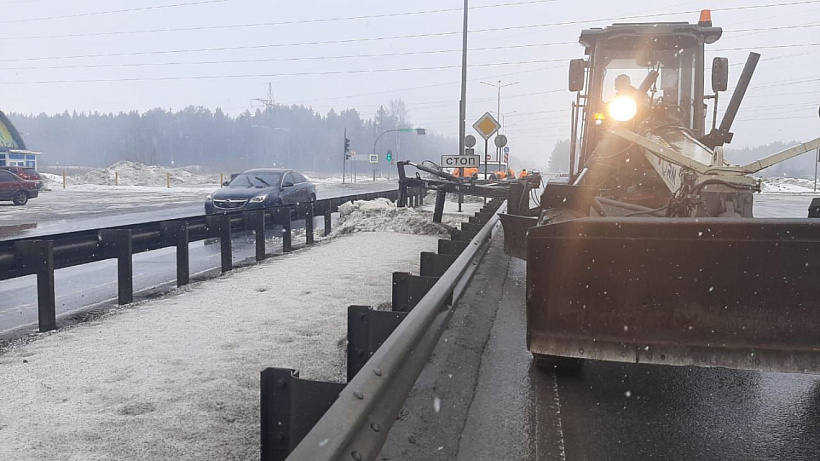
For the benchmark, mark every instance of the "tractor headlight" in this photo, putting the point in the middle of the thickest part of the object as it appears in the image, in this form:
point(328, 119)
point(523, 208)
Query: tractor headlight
point(622, 109)
point(259, 198)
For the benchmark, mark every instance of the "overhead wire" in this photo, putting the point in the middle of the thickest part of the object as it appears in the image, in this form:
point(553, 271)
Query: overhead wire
point(102, 13)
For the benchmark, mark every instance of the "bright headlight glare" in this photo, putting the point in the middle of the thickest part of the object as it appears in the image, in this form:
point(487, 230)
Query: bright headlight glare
point(259, 198)
point(622, 109)
point(209, 198)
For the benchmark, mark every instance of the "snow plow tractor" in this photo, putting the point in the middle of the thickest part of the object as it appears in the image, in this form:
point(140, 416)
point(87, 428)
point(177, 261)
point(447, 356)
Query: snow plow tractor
point(650, 252)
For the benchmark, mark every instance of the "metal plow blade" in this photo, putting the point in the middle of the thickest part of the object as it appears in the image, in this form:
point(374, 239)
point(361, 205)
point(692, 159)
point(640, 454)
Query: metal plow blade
point(735, 293)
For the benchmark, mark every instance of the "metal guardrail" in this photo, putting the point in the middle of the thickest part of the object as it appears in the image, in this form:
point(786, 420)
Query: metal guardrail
point(41, 255)
point(352, 421)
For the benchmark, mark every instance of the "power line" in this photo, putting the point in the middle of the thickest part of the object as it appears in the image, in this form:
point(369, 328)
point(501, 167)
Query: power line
point(279, 23)
point(100, 13)
point(289, 74)
point(300, 58)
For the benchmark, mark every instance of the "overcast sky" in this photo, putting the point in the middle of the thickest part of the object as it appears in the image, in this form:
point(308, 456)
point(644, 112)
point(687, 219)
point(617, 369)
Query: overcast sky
point(59, 55)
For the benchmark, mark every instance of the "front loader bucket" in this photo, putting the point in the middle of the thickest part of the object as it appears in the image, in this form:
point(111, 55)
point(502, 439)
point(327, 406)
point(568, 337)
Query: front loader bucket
point(735, 293)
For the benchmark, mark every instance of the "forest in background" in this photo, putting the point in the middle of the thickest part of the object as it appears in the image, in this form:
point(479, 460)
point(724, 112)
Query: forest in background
point(289, 136)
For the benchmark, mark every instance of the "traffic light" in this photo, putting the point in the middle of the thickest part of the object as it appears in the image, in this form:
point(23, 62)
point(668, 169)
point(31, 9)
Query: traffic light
point(390, 156)
point(347, 145)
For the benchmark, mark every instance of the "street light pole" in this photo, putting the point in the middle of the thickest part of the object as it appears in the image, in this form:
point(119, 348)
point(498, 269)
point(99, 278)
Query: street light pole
point(499, 86)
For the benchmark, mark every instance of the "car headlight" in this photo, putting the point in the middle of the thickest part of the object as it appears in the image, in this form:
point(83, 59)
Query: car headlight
point(259, 198)
point(209, 198)
point(622, 109)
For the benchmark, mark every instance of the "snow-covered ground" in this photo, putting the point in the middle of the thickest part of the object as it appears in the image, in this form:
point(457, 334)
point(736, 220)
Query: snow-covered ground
point(177, 378)
point(787, 185)
point(127, 173)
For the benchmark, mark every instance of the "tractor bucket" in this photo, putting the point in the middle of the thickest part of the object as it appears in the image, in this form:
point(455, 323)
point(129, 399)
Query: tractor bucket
point(712, 292)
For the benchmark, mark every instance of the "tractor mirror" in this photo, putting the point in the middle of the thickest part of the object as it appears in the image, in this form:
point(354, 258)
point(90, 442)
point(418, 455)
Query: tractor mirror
point(720, 74)
point(577, 72)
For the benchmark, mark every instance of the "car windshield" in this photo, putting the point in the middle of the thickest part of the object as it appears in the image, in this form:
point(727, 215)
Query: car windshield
point(246, 180)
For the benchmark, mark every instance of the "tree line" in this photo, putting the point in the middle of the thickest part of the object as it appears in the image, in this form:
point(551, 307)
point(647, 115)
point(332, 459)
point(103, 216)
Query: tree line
point(289, 136)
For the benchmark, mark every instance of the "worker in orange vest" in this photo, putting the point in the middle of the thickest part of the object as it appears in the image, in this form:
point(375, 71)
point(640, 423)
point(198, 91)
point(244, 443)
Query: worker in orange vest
point(523, 174)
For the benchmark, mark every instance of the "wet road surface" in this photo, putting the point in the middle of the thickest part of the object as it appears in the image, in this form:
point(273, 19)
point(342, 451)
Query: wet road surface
point(504, 407)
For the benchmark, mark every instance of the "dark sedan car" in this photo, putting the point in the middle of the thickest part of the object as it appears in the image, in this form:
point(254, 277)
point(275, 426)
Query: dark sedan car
point(16, 189)
point(261, 188)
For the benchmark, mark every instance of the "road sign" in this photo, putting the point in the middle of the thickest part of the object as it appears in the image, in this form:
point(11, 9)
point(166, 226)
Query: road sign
point(469, 140)
point(486, 126)
point(460, 161)
point(374, 158)
point(489, 157)
point(506, 149)
point(500, 141)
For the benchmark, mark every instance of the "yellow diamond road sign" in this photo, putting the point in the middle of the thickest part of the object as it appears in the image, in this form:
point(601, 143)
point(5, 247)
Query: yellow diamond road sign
point(486, 126)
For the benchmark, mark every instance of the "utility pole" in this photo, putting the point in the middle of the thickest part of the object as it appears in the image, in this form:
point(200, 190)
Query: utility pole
point(815, 169)
point(462, 112)
point(267, 102)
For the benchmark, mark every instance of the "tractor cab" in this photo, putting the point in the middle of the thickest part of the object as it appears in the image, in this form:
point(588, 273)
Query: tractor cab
point(637, 75)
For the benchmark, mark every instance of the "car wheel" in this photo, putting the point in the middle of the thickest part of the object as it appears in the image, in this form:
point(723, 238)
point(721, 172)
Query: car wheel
point(20, 198)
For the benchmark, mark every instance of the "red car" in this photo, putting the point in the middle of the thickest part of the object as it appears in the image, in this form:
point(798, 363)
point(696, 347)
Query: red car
point(29, 174)
point(17, 189)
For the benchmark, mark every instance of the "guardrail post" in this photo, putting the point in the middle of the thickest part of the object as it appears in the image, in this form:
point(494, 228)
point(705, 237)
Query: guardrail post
point(366, 331)
point(438, 210)
point(434, 265)
point(328, 222)
point(255, 220)
point(290, 407)
point(117, 243)
point(287, 230)
point(37, 257)
point(176, 233)
point(220, 226)
point(309, 224)
point(409, 289)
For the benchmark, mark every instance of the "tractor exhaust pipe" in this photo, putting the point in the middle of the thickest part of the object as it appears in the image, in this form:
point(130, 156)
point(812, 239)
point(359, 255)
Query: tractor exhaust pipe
point(722, 135)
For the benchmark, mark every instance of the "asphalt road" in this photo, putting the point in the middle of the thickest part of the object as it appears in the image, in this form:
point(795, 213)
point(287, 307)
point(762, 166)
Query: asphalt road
point(81, 287)
point(65, 210)
point(495, 404)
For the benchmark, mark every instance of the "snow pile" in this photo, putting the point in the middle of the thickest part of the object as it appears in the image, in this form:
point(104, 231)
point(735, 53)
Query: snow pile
point(787, 185)
point(136, 174)
point(178, 378)
point(382, 215)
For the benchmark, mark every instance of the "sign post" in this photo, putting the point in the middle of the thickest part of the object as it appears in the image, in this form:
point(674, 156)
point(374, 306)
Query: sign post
point(374, 160)
point(815, 169)
point(486, 126)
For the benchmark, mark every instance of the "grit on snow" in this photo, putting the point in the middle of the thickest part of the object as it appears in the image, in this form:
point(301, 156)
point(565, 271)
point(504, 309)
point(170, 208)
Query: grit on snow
point(383, 215)
point(178, 378)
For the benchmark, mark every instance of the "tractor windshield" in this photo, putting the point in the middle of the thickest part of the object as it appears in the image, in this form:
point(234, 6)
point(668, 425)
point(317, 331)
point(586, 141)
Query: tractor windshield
point(675, 88)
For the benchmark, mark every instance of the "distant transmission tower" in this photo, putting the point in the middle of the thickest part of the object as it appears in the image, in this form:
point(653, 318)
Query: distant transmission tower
point(268, 102)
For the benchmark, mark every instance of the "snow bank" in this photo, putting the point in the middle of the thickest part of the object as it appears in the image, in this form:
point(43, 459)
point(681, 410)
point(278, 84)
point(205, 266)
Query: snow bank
point(137, 174)
point(382, 215)
point(787, 185)
point(178, 378)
